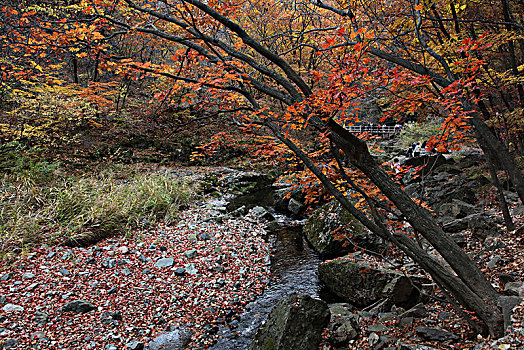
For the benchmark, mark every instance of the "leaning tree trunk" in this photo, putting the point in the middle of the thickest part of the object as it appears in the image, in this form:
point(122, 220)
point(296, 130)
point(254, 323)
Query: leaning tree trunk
point(468, 286)
point(491, 144)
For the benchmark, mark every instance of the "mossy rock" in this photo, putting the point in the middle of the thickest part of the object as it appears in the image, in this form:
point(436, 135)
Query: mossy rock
point(360, 284)
point(325, 220)
point(295, 323)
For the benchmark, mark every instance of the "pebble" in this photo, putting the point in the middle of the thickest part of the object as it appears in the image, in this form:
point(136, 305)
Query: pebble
point(7, 276)
point(78, 306)
point(123, 250)
point(164, 262)
point(12, 307)
point(191, 269)
point(180, 271)
point(28, 275)
point(190, 254)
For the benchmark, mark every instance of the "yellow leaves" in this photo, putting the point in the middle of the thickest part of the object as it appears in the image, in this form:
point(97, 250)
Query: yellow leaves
point(82, 54)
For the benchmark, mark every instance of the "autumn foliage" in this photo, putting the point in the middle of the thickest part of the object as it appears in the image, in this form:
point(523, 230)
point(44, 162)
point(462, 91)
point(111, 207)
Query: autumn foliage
point(291, 73)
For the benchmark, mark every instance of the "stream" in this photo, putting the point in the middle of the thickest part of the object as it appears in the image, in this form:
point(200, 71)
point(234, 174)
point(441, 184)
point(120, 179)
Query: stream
point(294, 270)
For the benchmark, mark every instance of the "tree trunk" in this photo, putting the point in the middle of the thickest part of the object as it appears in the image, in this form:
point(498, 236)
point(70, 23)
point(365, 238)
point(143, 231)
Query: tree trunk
point(461, 288)
point(493, 145)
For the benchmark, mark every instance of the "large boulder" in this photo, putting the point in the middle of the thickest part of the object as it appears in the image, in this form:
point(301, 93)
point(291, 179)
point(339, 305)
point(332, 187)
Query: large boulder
point(363, 285)
point(457, 209)
point(482, 225)
point(429, 162)
point(295, 323)
point(328, 218)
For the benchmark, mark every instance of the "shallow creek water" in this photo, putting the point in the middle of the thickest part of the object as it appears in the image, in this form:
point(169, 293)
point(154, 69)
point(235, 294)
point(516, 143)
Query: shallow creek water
point(293, 267)
point(294, 270)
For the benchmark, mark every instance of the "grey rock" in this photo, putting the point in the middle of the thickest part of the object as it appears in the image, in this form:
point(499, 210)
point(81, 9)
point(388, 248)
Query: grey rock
point(191, 269)
point(457, 209)
point(41, 317)
point(108, 263)
point(64, 272)
point(323, 221)
point(296, 322)
point(281, 199)
point(239, 211)
point(10, 343)
point(404, 346)
point(190, 254)
point(174, 340)
point(12, 307)
point(3, 299)
point(435, 334)
point(418, 311)
point(78, 306)
point(204, 236)
point(444, 315)
point(7, 276)
point(343, 325)
point(514, 288)
point(493, 261)
point(28, 275)
point(484, 225)
point(112, 315)
point(261, 213)
point(377, 327)
point(180, 271)
point(165, 262)
point(360, 284)
point(507, 303)
point(68, 254)
point(295, 207)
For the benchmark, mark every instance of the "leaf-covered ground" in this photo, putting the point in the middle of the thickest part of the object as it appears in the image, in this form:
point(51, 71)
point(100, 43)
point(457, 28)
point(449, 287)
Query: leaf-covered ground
point(225, 266)
point(500, 258)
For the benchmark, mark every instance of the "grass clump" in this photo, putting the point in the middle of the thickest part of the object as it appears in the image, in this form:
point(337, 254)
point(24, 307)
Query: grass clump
point(83, 210)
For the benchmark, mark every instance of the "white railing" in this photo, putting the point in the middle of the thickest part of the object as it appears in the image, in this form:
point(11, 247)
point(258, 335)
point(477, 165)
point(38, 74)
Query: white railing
point(374, 129)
